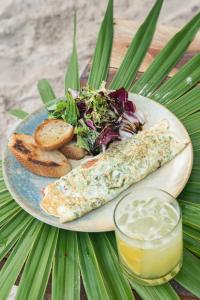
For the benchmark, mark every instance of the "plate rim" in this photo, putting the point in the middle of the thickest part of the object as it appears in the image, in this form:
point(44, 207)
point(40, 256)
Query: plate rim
point(45, 218)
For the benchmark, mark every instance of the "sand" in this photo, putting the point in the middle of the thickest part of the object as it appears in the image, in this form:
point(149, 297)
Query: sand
point(36, 41)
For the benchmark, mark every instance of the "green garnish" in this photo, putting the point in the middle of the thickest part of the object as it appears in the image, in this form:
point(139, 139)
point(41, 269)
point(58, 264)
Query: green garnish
point(65, 109)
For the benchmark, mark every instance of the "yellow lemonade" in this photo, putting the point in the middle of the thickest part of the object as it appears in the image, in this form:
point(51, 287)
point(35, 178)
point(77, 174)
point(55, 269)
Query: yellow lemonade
point(149, 237)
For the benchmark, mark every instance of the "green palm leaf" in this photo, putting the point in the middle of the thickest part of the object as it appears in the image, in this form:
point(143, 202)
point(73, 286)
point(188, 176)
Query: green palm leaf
point(37, 269)
point(45, 90)
point(101, 57)
point(195, 174)
point(162, 292)
point(117, 285)
point(92, 276)
point(196, 141)
point(66, 274)
point(8, 217)
point(192, 239)
point(190, 196)
point(5, 198)
point(15, 262)
point(2, 187)
point(193, 125)
point(167, 58)
point(192, 186)
point(186, 105)
point(180, 83)
point(193, 233)
point(72, 79)
point(190, 213)
point(19, 113)
point(192, 245)
point(137, 50)
point(189, 274)
point(12, 231)
point(8, 211)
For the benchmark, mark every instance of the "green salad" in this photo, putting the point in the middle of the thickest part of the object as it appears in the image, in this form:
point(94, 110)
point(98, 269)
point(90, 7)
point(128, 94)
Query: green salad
point(99, 117)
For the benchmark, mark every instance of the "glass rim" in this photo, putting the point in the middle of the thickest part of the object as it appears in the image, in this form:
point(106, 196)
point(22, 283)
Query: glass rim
point(151, 240)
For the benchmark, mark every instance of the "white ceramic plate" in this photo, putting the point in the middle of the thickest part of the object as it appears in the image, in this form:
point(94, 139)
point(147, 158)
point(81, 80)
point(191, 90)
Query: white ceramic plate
point(27, 188)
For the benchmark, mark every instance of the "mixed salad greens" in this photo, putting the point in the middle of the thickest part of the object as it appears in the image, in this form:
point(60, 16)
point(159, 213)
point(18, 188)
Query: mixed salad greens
point(99, 116)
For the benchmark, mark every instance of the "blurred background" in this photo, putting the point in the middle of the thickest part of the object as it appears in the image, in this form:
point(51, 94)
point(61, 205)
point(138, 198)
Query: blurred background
point(36, 42)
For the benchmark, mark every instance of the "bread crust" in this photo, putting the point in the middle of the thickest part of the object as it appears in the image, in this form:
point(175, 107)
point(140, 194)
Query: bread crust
point(38, 161)
point(53, 144)
point(72, 151)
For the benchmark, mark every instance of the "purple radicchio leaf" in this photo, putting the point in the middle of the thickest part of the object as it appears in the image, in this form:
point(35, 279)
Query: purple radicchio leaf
point(90, 124)
point(120, 94)
point(81, 107)
point(129, 107)
point(122, 103)
point(108, 134)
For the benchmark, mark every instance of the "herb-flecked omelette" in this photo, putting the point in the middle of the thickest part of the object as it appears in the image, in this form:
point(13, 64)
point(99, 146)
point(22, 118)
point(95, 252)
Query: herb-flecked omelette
point(102, 178)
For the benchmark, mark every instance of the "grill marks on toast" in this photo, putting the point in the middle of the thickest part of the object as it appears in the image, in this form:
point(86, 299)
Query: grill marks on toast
point(41, 162)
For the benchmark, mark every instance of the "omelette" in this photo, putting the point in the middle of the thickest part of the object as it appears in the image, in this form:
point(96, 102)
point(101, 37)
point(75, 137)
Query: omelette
point(100, 179)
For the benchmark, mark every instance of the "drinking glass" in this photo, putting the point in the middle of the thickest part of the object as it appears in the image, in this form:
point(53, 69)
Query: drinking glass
point(148, 229)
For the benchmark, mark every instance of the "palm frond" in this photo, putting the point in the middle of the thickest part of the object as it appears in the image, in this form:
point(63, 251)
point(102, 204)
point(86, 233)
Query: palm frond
point(189, 274)
point(12, 231)
point(180, 83)
point(192, 185)
point(190, 213)
point(8, 211)
point(186, 105)
point(15, 262)
point(167, 59)
point(190, 196)
point(2, 186)
point(1, 172)
point(38, 266)
point(91, 273)
point(192, 245)
point(164, 291)
point(191, 232)
point(101, 57)
point(66, 274)
point(117, 285)
point(195, 174)
point(72, 79)
point(192, 124)
point(193, 181)
point(196, 141)
point(45, 90)
point(5, 198)
point(19, 113)
point(137, 50)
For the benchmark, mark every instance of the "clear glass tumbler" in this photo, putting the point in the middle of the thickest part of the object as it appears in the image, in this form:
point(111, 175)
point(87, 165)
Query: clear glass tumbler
point(148, 228)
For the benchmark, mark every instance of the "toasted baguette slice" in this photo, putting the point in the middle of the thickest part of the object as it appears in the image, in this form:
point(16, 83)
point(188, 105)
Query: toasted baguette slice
point(41, 162)
point(53, 134)
point(72, 151)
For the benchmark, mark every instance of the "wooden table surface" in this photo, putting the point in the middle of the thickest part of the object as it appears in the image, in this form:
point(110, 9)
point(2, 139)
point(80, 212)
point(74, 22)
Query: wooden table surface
point(124, 31)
